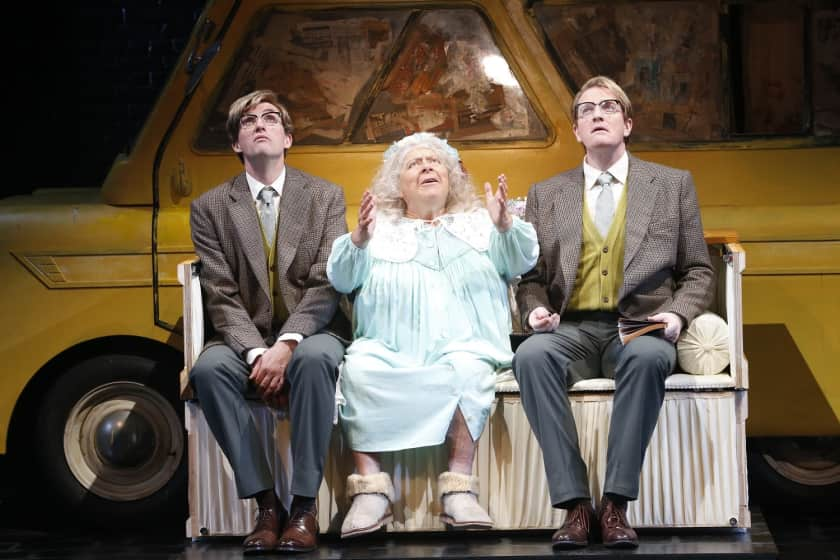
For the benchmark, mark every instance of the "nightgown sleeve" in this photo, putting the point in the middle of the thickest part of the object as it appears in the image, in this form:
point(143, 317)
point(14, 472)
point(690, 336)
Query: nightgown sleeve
point(348, 265)
point(515, 251)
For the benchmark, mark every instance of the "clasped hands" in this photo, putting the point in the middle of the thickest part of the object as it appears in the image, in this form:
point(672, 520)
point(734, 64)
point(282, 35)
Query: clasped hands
point(268, 373)
point(496, 204)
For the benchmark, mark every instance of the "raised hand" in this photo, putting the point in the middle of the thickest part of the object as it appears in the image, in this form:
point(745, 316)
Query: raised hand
point(497, 204)
point(367, 221)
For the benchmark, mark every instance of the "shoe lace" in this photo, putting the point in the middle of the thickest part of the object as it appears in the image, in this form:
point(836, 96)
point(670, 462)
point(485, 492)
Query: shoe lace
point(578, 516)
point(264, 514)
point(614, 516)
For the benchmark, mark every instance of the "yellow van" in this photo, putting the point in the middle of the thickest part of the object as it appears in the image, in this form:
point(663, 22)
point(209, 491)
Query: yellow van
point(744, 94)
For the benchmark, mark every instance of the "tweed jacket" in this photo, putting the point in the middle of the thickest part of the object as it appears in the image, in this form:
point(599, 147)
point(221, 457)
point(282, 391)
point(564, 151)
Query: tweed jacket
point(234, 274)
point(666, 260)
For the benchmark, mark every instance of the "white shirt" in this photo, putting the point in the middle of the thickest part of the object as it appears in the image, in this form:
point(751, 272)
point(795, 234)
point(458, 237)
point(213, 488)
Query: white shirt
point(592, 189)
point(255, 187)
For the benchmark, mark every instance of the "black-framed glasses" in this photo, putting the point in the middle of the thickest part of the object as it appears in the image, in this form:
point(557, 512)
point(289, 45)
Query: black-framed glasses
point(608, 106)
point(270, 119)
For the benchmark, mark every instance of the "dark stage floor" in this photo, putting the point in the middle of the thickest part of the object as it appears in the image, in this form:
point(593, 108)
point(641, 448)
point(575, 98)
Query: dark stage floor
point(776, 533)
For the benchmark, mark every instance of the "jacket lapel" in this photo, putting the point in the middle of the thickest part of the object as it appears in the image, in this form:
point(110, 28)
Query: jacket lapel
point(294, 207)
point(642, 189)
point(567, 209)
point(248, 230)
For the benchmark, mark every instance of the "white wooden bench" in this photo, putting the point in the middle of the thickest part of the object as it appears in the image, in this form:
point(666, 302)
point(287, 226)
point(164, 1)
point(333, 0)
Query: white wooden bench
point(694, 474)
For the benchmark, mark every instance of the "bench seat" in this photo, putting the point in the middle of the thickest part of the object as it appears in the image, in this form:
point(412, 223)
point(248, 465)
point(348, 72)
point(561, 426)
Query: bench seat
point(694, 474)
point(505, 383)
point(691, 475)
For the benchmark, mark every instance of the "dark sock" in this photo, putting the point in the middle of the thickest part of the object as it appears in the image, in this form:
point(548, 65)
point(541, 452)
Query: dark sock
point(266, 499)
point(572, 504)
point(303, 502)
point(619, 501)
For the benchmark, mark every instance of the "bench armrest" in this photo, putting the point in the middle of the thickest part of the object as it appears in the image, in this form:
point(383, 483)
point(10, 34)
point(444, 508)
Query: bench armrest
point(735, 260)
point(193, 313)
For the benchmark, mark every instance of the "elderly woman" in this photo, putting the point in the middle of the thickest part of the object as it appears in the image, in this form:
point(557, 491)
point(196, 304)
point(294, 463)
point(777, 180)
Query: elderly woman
point(430, 268)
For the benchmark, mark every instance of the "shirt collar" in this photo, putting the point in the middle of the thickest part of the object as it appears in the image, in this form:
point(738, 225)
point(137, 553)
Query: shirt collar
point(255, 186)
point(618, 170)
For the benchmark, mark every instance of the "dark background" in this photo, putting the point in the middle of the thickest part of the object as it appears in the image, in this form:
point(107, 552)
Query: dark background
point(84, 77)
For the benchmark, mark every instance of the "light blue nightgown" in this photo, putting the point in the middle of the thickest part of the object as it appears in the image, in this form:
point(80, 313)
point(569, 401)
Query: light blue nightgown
point(431, 325)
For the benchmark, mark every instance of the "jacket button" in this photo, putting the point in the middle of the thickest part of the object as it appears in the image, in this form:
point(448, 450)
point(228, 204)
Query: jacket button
point(603, 272)
point(606, 249)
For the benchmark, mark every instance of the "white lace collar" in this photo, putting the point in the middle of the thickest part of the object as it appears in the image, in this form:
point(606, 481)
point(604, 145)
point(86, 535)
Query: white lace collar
point(396, 240)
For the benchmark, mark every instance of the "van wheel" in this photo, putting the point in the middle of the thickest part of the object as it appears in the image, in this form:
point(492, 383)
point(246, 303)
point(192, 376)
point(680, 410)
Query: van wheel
point(795, 470)
point(110, 441)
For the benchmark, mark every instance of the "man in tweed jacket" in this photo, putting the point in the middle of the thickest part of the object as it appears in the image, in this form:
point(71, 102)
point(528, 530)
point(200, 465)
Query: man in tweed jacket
point(263, 239)
point(637, 251)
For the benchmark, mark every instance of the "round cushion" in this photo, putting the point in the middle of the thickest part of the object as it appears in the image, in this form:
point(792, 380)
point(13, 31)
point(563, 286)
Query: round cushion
point(703, 348)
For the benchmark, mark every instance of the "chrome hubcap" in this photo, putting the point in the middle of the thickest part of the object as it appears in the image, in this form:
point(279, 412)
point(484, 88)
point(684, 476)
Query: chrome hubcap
point(123, 441)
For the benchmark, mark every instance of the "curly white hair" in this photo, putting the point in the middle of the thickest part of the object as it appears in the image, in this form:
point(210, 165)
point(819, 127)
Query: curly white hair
point(386, 184)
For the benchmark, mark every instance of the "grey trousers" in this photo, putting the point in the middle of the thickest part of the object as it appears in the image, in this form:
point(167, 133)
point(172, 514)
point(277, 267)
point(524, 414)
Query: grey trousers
point(220, 380)
point(586, 345)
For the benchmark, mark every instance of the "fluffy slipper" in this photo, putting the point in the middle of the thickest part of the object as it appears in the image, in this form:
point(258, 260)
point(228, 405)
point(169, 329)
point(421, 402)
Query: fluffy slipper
point(459, 498)
point(371, 509)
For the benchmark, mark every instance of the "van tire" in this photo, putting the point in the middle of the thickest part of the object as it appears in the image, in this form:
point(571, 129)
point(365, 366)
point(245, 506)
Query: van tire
point(110, 442)
point(802, 471)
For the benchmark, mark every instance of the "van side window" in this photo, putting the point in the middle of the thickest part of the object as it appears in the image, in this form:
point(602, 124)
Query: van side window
point(825, 42)
point(706, 70)
point(367, 77)
point(666, 56)
point(321, 63)
point(785, 67)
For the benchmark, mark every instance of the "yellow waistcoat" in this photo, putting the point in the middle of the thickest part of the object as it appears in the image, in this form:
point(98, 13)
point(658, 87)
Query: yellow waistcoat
point(281, 312)
point(601, 266)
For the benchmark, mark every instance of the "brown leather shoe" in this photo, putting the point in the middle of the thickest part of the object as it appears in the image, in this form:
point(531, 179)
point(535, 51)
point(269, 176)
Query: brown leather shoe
point(575, 530)
point(264, 536)
point(301, 532)
point(615, 530)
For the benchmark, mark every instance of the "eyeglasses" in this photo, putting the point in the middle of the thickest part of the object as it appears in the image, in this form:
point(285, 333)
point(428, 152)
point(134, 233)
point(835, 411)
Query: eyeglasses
point(608, 106)
point(270, 119)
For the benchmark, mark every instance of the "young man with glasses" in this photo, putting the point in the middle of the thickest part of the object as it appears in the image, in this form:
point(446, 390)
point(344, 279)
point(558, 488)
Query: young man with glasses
point(619, 238)
point(263, 238)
